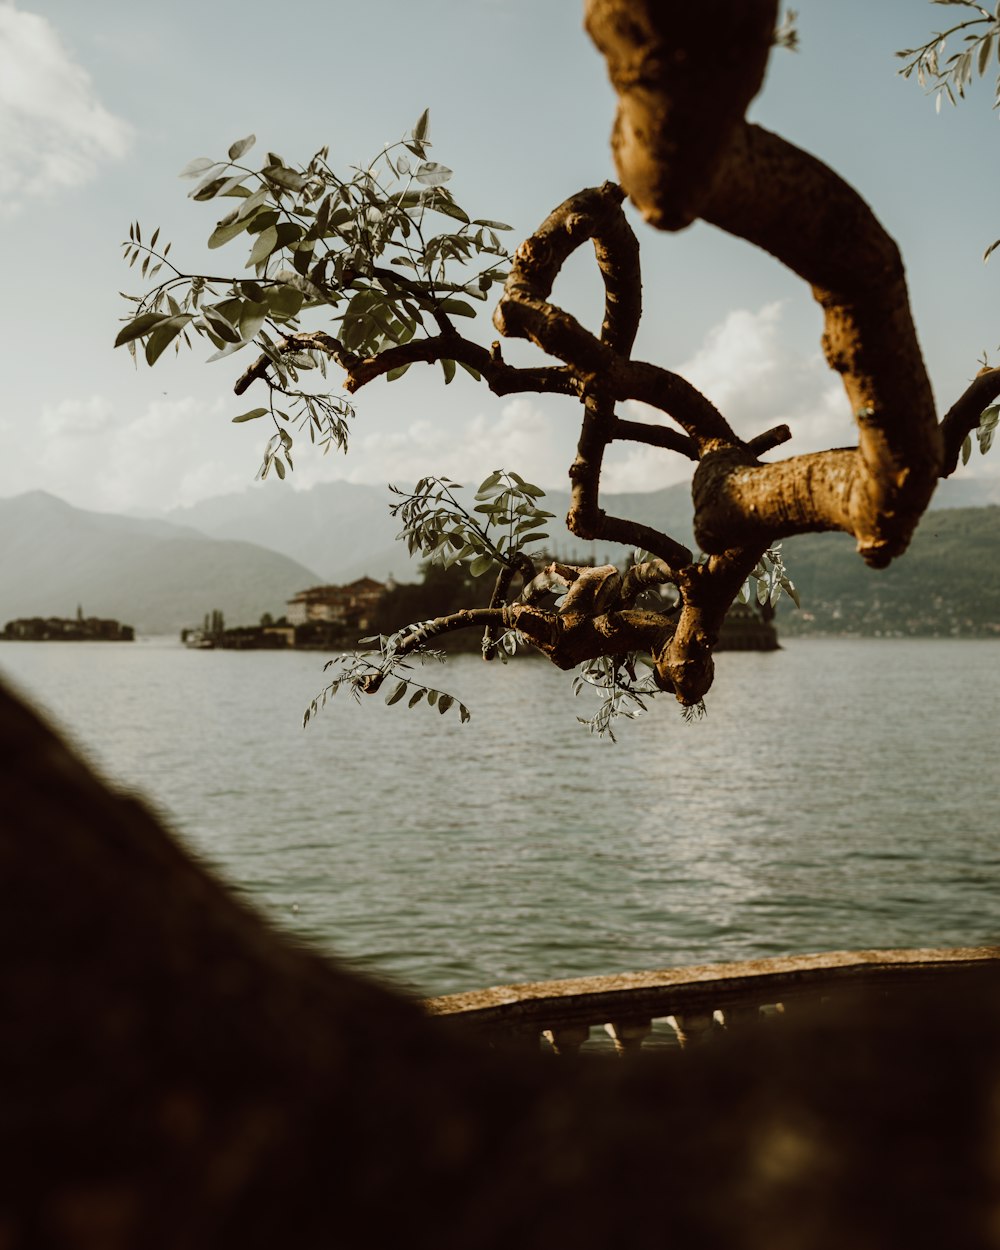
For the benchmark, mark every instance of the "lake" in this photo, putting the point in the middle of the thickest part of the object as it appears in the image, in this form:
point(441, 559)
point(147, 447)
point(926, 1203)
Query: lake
point(839, 794)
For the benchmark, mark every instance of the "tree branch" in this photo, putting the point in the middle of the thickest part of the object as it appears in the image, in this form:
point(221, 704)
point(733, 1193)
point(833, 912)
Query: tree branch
point(656, 436)
point(501, 378)
point(963, 416)
point(683, 151)
point(524, 312)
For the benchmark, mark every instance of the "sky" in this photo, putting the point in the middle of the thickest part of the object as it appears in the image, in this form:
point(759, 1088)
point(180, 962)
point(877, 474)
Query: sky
point(102, 104)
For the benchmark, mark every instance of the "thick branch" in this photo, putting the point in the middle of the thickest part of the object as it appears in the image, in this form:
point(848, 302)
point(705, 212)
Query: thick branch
point(656, 436)
point(567, 639)
point(714, 57)
point(683, 151)
point(525, 312)
point(963, 416)
point(708, 590)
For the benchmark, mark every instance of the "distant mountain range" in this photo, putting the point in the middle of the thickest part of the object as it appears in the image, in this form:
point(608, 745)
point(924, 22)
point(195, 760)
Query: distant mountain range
point(346, 531)
point(153, 575)
point(248, 553)
point(947, 584)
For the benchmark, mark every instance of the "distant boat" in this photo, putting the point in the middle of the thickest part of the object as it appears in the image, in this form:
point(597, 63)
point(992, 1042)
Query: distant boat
point(197, 640)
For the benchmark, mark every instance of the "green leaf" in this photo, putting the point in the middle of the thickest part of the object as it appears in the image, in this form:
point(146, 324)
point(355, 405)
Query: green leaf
point(966, 449)
point(252, 415)
point(393, 374)
point(465, 713)
point(283, 302)
point(301, 283)
point(220, 324)
point(489, 485)
point(252, 318)
point(457, 306)
point(266, 242)
point(420, 130)
point(228, 228)
point(200, 165)
point(279, 468)
point(241, 146)
point(532, 538)
point(469, 369)
point(433, 174)
point(447, 206)
point(208, 188)
point(396, 695)
point(162, 337)
point(491, 225)
point(993, 246)
point(417, 695)
point(444, 703)
point(285, 177)
point(448, 368)
point(227, 349)
point(140, 326)
point(481, 565)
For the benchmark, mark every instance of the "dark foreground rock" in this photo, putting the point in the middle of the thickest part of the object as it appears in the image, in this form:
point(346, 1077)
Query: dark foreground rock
point(174, 1073)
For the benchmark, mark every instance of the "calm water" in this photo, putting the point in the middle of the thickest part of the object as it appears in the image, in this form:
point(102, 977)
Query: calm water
point(839, 794)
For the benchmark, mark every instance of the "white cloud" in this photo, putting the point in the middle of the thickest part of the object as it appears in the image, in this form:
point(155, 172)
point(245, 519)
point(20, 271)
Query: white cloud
point(54, 131)
point(174, 452)
point(76, 418)
point(522, 437)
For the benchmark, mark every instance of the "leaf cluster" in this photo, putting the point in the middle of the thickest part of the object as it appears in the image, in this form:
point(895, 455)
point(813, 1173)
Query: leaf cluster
point(362, 672)
point(503, 521)
point(949, 77)
point(985, 432)
point(366, 249)
point(622, 692)
point(771, 579)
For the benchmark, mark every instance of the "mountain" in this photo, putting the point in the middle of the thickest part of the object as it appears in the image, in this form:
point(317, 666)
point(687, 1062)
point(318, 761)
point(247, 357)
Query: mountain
point(329, 527)
point(947, 584)
point(148, 573)
point(346, 531)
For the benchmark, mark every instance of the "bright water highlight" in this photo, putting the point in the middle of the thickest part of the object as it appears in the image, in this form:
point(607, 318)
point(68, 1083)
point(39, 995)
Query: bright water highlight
point(839, 794)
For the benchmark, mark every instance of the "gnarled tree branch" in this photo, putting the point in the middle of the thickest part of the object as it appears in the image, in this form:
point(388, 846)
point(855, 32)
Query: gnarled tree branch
point(683, 151)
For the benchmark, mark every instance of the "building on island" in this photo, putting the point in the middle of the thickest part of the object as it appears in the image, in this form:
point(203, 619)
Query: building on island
point(345, 607)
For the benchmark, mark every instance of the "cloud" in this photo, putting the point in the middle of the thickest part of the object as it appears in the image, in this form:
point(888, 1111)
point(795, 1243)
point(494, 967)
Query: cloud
point(177, 450)
point(54, 131)
point(173, 452)
point(747, 369)
point(76, 418)
point(522, 437)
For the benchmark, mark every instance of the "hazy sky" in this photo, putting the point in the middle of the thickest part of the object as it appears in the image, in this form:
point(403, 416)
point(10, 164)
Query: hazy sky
point(102, 102)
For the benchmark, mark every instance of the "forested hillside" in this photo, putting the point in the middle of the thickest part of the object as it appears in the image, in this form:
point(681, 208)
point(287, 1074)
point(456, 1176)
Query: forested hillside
point(948, 585)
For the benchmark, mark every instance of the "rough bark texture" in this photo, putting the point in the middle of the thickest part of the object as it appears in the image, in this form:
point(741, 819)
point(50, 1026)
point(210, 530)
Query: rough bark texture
point(714, 55)
point(684, 76)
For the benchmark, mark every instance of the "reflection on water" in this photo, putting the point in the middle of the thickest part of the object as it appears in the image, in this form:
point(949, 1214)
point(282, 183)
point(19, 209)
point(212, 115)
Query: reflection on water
point(838, 794)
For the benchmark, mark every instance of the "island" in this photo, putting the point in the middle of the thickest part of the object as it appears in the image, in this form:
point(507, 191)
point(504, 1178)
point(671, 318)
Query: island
point(60, 629)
